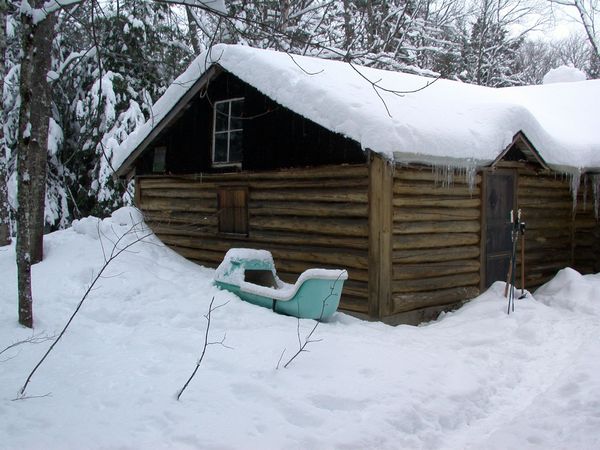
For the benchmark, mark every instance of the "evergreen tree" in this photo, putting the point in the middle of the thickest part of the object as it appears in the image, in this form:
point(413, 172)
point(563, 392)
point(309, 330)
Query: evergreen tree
point(135, 52)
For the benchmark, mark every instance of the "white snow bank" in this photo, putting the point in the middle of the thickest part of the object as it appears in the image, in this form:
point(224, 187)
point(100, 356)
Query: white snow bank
point(477, 378)
point(573, 291)
point(446, 122)
point(564, 74)
point(121, 221)
point(237, 260)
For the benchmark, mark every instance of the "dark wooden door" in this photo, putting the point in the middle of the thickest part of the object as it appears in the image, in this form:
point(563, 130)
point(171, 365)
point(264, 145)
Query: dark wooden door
point(500, 190)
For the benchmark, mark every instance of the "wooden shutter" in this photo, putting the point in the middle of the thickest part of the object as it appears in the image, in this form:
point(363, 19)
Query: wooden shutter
point(233, 210)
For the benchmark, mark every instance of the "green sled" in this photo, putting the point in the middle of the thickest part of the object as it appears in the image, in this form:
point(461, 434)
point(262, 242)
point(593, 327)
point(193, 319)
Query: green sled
point(250, 274)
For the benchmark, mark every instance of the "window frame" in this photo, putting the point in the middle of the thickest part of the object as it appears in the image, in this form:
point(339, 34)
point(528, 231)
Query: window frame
point(159, 159)
point(226, 132)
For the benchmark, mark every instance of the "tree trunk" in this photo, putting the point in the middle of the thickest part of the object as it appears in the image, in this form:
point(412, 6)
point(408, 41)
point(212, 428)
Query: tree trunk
point(32, 152)
point(4, 208)
point(193, 31)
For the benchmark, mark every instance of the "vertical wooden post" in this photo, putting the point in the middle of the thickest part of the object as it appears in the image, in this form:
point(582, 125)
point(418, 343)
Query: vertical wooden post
point(381, 182)
point(137, 194)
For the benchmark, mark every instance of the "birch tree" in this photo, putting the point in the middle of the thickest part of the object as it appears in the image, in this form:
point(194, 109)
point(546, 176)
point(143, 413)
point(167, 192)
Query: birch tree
point(36, 45)
point(586, 12)
point(4, 207)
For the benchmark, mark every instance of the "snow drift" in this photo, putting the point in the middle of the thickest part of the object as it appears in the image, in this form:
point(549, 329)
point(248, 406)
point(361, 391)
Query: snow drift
point(476, 378)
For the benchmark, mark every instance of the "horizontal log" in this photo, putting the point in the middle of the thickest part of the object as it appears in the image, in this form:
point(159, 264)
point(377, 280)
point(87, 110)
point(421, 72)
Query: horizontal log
point(405, 242)
point(557, 244)
point(298, 237)
point(463, 226)
point(212, 259)
point(552, 236)
point(179, 193)
point(536, 261)
point(543, 182)
point(192, 220)
point(335, 227)
point(309, 209)
point(413, 201)
point(544, 194)
point(297, 267)
point(428, 174)
point(436, 269)
point(177, 204)
point(320, 183)
point(409, 302)
point(430, 189)
point(332, 171)
point(263, 238)
point(353, 304)
point(545, 224)
point(434, 214)
point(434, 283)
point(536, 203)
point(310, 255)
point(174, 183)
point(210, 183)
point(202, 257)
point(542, 270)
point(550, 212)
point(296, 195)
point(583, 239)
point(586, 222)
point(435, 254)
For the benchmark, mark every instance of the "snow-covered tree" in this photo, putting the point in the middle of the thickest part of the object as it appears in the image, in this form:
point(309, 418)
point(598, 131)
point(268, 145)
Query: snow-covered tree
point(587, 12)
point(111, 78)
point(4, 206)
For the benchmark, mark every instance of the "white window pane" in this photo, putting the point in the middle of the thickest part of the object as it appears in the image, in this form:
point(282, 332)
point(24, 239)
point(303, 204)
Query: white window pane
point(235, 146)
point(220, 151)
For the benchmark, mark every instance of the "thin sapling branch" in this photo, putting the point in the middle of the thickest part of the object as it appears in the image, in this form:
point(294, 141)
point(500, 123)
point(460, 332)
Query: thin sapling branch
point(118, 248)
point(208, 317)
point(308, 339)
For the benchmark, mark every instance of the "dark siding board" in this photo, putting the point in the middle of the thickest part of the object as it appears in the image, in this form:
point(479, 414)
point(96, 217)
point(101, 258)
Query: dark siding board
point(274, 137)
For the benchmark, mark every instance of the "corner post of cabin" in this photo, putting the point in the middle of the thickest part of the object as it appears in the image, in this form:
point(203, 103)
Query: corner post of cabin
point(137, 188)
point(380, 235)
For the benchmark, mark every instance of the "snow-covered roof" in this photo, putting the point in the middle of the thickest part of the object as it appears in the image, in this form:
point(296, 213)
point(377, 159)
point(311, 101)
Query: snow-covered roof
point(405, 117)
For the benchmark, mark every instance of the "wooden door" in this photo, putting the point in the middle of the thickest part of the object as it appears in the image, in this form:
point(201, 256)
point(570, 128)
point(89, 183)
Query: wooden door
point(499, 200)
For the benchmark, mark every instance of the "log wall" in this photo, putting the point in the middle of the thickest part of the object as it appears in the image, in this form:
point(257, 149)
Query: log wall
point(436, 241)
point(305, 217)
point(586, 233)
point(558, 235)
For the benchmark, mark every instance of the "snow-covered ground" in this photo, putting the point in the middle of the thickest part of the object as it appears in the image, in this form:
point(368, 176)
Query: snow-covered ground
point(476, 378)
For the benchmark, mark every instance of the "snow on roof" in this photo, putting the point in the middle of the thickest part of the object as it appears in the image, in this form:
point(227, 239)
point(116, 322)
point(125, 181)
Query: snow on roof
point(408, 117)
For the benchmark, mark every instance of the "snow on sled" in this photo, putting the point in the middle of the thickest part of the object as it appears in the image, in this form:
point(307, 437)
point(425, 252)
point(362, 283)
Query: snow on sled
point(251, 275)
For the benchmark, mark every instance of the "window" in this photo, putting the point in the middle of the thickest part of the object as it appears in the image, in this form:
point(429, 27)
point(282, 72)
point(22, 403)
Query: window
point(159, 161)
point(233, 210)
point(227, 135)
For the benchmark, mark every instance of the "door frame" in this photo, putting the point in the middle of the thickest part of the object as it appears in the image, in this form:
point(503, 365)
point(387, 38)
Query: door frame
point(485, 173)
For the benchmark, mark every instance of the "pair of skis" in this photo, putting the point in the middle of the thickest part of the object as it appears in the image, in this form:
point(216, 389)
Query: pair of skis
point(517, 230)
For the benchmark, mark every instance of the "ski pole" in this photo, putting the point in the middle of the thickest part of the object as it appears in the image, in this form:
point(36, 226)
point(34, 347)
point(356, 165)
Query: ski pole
point(522, 228)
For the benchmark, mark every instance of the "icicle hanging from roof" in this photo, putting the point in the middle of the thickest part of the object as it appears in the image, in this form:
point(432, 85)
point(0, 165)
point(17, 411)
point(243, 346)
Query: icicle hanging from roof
point(596, 191)
point(444, 175)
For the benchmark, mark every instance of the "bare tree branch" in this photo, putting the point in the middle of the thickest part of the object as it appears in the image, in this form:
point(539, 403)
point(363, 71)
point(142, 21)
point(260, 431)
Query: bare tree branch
point(221, 342)
point(118, 248)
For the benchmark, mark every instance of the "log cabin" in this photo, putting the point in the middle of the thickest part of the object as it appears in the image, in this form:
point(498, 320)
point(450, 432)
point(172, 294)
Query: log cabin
point(405, 181)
